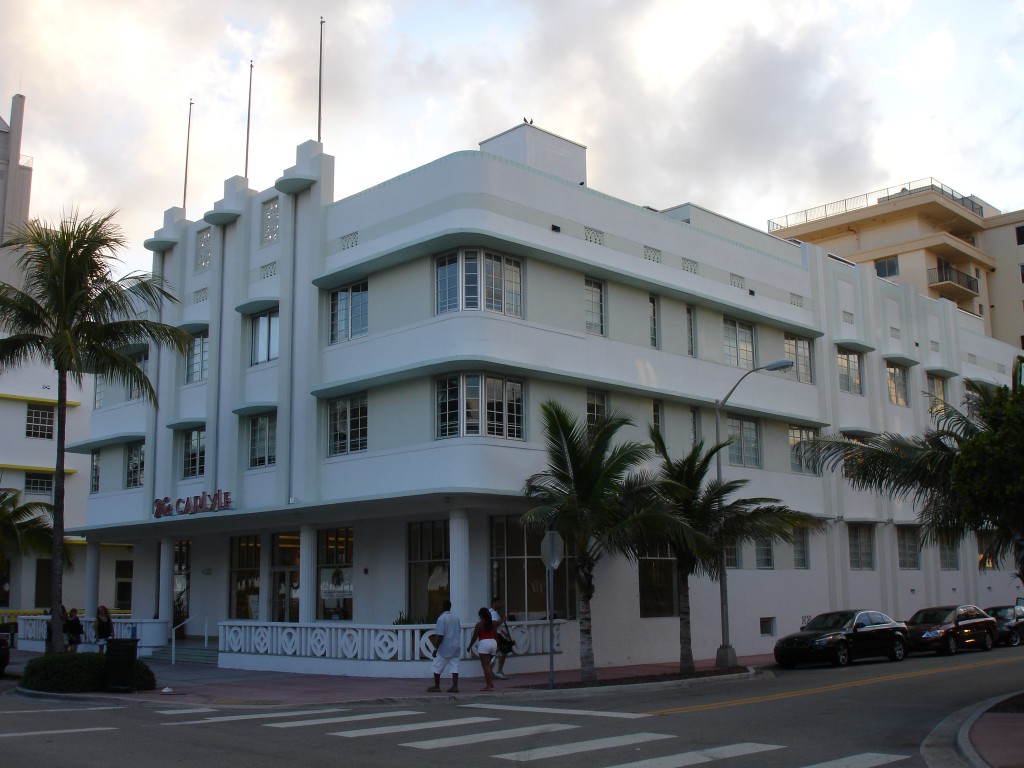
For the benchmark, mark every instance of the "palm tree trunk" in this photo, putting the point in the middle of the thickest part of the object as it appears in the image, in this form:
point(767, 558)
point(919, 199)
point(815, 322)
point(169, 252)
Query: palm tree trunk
point(686, 665)
point(57, 564)
point(585, 579)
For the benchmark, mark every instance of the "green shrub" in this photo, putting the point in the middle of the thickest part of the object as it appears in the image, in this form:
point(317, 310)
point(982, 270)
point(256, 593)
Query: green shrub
point(77, 673)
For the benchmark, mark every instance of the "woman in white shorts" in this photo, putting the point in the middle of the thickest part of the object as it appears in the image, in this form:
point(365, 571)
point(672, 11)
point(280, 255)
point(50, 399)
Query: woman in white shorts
point(485, 636)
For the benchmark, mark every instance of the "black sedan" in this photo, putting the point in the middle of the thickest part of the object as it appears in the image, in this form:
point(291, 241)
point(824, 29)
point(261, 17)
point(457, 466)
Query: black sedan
point(948, 628)
point(840, 637)
point(1009, 623)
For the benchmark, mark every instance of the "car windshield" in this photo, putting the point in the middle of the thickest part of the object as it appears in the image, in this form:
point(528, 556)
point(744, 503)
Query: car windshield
point(1003, 612)
point(837, 620)
point(933, 616)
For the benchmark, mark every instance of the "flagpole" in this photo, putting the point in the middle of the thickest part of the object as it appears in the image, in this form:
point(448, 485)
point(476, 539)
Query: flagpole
point(188, 140)
point(248, 122)
point(320, 99)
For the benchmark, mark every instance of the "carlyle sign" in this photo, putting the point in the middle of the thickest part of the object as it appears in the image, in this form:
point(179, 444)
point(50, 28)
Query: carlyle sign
point(192, 505)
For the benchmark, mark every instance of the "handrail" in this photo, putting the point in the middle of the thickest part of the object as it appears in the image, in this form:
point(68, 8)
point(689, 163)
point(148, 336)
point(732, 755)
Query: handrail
point(174, 635)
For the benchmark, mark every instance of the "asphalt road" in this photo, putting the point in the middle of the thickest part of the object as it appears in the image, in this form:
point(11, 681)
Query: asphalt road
point(872, 713)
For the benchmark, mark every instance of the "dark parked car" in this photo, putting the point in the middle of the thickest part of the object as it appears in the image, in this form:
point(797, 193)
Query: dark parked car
point(840, 637)
point(1009, 623)
point(949, 628)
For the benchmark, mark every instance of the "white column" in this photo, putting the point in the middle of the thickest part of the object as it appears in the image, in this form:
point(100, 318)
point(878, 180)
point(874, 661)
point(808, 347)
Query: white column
point(92, 578)
point(307, 573)
point(166, 589)
point(458, 564)
point(265, 586)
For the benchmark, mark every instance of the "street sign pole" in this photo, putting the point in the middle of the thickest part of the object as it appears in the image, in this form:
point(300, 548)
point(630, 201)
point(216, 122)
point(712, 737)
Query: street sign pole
point(552, 550)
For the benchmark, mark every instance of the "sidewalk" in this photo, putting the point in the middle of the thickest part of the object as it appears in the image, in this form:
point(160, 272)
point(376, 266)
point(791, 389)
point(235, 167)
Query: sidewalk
point(995, 740)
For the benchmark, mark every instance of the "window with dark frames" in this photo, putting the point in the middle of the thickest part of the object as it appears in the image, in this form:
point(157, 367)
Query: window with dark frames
point(350, 312)
point(348, 425)
point(468, 404)
point(263, 440)
point(39, 421)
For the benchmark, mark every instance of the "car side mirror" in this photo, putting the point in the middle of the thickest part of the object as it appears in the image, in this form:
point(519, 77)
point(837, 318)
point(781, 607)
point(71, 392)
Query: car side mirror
point(859, 625)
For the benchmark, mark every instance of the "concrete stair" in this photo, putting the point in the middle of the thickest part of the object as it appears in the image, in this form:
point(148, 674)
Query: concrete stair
point(186, 653)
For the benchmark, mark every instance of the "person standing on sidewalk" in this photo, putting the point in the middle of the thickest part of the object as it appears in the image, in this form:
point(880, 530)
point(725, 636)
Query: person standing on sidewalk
point(486, 646)
point(447, 648)
point(503, 636)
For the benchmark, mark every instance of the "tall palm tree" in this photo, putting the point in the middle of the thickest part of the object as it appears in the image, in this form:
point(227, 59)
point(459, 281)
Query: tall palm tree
point(708, 520)
point(591, 495)
point(74, 313)
point(24, 528)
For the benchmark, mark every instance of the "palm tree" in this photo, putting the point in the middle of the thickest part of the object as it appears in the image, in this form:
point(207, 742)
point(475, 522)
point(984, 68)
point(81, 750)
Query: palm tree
point(592, 497)
point(707, 522)
point(73, 313)
point(24, 528)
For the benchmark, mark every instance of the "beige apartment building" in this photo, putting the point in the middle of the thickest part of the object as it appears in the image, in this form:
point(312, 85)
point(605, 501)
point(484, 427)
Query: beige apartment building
point(944, 244)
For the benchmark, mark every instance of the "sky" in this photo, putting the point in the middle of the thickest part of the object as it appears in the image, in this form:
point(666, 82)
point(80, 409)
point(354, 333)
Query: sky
point(751, 108)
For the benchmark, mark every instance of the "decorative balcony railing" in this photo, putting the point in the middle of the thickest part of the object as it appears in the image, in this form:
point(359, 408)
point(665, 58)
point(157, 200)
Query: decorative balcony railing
point(948, 274)
point(873, 198)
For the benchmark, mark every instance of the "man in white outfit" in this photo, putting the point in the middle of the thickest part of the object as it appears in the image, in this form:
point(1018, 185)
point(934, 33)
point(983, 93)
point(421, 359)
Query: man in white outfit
point(447, 648)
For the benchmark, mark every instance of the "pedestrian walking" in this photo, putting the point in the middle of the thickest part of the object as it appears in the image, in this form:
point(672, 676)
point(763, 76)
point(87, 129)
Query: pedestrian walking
point(104, 627)
point(503, 637)
point(447, 648)
point(74, 631)
point(486, 646)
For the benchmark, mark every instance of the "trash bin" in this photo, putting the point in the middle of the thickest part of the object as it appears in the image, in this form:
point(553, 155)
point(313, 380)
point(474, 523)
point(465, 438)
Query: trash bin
point(121, 654)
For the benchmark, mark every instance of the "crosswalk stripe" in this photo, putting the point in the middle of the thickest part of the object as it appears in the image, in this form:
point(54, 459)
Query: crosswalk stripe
point(343, 719)
point(386, 729)
point(479, 738)
point(54, 733)
point(259, 716)
point(700, 756)
point(865, 760)
point(555, 711)
point(60, 709)
point(582, 746)
point(196, 711)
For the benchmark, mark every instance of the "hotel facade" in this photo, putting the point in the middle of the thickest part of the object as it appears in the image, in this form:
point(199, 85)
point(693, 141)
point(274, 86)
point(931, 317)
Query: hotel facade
point(346, 444)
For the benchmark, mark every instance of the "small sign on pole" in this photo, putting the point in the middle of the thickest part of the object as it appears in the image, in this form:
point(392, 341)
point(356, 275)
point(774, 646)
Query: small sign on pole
point(552, 552)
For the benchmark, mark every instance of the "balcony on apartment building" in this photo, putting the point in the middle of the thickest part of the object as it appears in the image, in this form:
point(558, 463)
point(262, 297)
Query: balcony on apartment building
point(952, 283)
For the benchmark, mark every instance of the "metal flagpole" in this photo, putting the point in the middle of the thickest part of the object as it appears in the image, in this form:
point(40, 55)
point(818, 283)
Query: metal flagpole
point(188, 139)
point(248, 122)
point(320, 99)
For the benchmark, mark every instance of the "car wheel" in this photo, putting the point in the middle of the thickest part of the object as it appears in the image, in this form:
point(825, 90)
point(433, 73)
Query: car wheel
point(988, 642)
point(1014, 638)
point(842, 655)
point(899, 649)
point(948, 647)
point(787, 664)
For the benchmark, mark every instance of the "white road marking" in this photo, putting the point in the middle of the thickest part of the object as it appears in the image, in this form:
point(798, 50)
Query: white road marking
point(700, 756)
point(865, 760)
point(62, 709)
point(386, 729)
point(53, 733)
point(582, 746)
point(342, 719)
point(259, 716)
point(196, 711)
point(479, 738)
point(554, 711)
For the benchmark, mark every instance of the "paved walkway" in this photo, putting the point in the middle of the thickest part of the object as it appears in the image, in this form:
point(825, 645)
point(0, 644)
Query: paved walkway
point(979, 738)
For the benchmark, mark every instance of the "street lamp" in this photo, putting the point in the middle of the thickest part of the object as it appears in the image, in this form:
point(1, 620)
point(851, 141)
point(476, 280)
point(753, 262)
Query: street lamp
point(726, 656)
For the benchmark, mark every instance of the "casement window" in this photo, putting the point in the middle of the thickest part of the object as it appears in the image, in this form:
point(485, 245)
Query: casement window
point(797, 460)
point(193, 453)
point(39, 484)
point(204, 248)
point(691, 330)
point(244, 577)
point(1019, 231)
point(468, 404)
point(849, 364)
point(937, 390)
point(472, 279)
point(518, 573)
point(350, 312)
point(738, 343)
point(135, 464)
point(801, 351)
point(764, 554)
point(801, 549)
point(887, 267)
point(949, 556)
point(348, 425)
point(862, 546)
point(98, 391)
point(94, 471)
point(266, 335)
point(898, 391)
point(656, 574)
point(593, 302)
point(197, 359)
point(270, 220)
point(335, 553)
point(597, 406)
point(908, 547)
point(657, 415)
point(745, 448)
point(733, 556)
point(428, 567)
point(141, 360)
point(263, 440)
point(986, 545)
point(39, 421)
point(652, 311)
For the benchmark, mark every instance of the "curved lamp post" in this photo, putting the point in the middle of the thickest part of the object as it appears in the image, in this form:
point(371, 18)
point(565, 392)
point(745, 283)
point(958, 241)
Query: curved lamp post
point(726, 656)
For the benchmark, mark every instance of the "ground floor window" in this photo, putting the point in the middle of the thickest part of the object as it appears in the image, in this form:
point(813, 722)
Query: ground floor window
point(334, 552)
point(44, 582)
point(656, 572)
point(428, 570)
point(519, 577)
point(123, 574)
point(284, 576)
point(182, 575)
point(244, 578)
